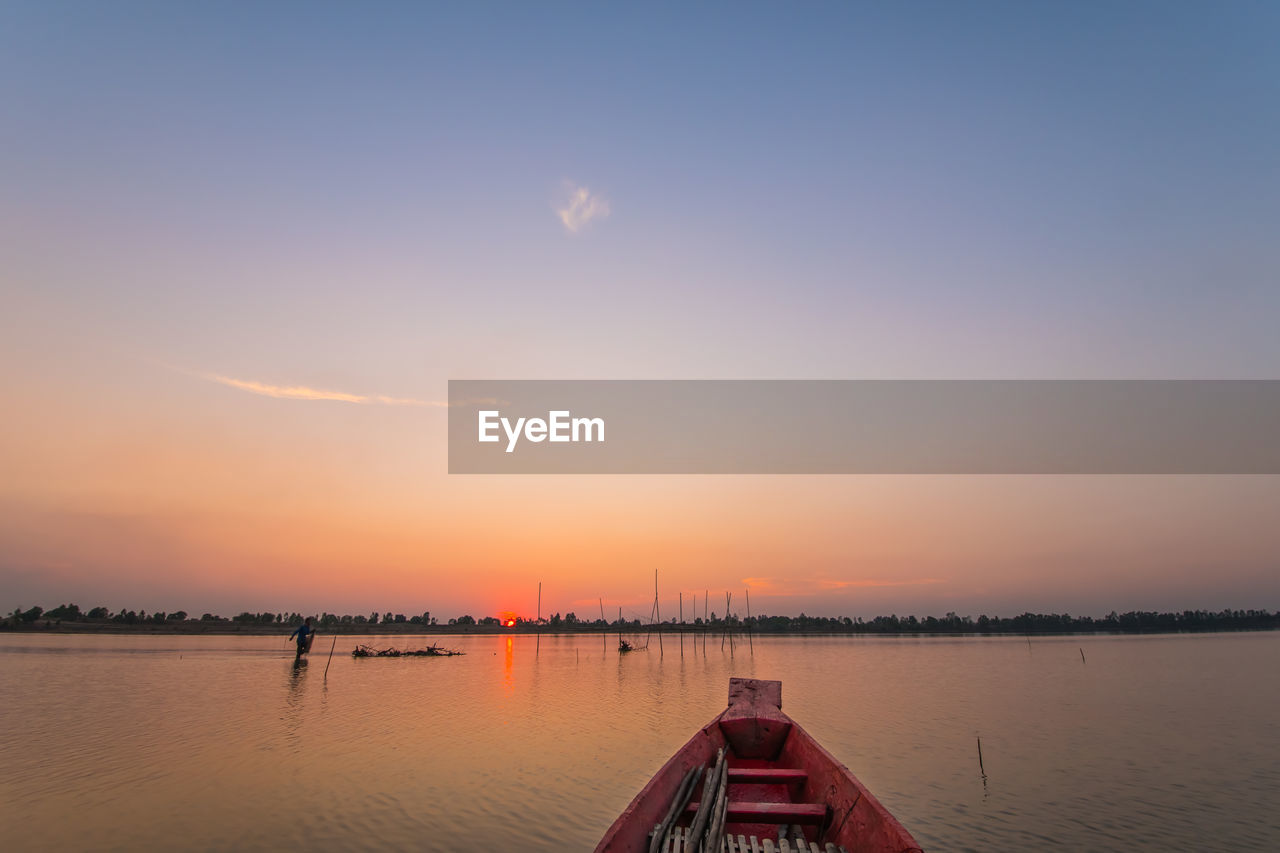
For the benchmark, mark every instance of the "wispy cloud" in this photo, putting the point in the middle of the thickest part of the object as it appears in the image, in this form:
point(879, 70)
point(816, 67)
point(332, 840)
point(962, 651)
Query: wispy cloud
point(581, 207)
point(303, 392)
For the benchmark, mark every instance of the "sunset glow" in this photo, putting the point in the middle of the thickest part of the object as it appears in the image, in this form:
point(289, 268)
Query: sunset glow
point(458, 426)
point(234, 293)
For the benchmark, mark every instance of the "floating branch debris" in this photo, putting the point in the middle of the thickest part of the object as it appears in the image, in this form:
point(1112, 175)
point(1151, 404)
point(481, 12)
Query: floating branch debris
point(432, 651)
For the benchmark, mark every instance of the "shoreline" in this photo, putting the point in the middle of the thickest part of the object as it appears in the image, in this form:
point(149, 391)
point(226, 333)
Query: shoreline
point(196, 628)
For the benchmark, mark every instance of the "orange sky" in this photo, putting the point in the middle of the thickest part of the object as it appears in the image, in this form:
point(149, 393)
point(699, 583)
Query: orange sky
point(184, 493)
point(236, 276)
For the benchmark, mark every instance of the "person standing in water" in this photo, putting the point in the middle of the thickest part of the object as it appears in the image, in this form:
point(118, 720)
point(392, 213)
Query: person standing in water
point(303, 633)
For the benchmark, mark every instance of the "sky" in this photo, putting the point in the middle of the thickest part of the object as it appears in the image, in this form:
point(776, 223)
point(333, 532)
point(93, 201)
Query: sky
point(243, 248)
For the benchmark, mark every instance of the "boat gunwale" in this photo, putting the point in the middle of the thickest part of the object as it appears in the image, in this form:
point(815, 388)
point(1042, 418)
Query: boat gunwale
point(700, 751)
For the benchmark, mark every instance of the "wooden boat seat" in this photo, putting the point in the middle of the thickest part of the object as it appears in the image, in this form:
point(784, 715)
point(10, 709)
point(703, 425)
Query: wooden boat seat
point(766, 775)
point(739, 811)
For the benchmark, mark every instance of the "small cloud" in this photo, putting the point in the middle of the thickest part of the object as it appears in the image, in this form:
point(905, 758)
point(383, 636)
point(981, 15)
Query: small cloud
point(581, 207)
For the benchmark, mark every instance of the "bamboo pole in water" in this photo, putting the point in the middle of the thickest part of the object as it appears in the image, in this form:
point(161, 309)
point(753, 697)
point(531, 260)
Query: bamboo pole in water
point(682, 624)
point(657, 612)
point(728, 596)
point(649, 636)
point(330, 660)
point(728, 601)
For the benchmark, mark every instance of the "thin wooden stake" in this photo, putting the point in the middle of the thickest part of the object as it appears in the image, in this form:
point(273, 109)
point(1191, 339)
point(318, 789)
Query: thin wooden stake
point(980, 767)
point(330, 660)
point(1082, 660)
point(681, 624)
point(657, 612)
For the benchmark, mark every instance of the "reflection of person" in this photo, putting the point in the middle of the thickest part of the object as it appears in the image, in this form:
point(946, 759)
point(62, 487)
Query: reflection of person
point(303, 634)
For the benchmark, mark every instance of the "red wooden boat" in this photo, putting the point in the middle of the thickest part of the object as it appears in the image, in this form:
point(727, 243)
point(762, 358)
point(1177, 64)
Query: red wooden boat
point(753, 780)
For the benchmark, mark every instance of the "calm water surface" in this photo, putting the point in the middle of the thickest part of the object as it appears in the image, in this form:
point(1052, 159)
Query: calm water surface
point(212, 743)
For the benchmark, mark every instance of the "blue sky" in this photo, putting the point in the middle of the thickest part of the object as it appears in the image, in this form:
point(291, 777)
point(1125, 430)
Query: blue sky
point(1032, 176)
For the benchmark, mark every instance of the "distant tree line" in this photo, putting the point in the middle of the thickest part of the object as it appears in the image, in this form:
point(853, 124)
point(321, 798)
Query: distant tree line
point(73, 613)
point(1133, 622)
point(1137, 621)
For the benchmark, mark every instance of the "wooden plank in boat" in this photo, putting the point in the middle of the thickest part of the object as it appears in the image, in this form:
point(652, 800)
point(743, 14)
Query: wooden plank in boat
point(766, 775)
point(784, 813)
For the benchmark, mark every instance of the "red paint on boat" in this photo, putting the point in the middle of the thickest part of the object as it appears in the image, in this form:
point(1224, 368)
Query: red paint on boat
point(777, 774)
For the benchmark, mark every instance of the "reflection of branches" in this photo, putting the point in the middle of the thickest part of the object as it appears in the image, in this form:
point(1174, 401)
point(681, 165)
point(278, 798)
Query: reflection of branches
point(432, 651)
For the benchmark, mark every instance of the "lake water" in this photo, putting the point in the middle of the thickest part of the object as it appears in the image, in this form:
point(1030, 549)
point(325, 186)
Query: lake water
point(212, 743)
